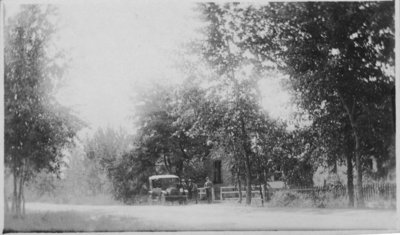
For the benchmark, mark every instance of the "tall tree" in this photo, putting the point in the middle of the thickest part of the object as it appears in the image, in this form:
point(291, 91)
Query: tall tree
point(350, 67)
point(164, 141)
point(163, 119)
point(227, 58)
point(344, 65)
point(102, 151)
point(37, 128)
point(230, 124)
point(228, 49)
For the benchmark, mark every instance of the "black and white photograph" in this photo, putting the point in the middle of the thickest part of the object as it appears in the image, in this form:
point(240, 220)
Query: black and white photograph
point(185, 116)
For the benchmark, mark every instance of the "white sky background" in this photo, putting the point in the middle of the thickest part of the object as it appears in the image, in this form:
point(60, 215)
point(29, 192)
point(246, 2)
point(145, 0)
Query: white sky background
point(115, 47)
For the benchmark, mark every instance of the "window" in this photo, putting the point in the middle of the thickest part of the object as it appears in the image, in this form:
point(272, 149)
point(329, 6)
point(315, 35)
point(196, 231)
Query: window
point(217, 172)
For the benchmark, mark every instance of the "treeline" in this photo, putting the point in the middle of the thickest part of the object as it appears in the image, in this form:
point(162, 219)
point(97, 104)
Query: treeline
point(338, 59)
point(342, 80)
point(182, 128)
point(36, 127)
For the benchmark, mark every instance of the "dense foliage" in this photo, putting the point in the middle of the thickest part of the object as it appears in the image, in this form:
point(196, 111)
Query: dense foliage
point(37, 128)
point(342, 76)
point(338, 58)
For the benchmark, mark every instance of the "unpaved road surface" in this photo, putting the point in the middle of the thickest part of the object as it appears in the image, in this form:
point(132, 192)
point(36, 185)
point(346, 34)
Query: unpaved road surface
point(214, 217)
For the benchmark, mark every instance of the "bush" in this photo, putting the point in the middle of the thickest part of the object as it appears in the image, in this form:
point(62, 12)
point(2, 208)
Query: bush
point(381, 204)
point(291, 199)
point(309, 199)
point(328, 199)
point(322, 199)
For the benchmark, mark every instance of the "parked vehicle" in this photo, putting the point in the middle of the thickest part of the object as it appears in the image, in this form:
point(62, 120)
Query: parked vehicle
point(166, 188)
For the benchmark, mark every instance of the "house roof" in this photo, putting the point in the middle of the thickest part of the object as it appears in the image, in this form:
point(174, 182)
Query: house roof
point(154, 177)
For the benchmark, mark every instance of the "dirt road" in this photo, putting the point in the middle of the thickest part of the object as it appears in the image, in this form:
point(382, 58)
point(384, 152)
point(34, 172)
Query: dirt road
point(221, 217)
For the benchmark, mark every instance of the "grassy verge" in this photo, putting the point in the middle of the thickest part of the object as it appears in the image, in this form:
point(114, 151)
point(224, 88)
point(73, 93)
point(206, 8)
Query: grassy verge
point(49, 221)
point(323, 200)
point(293, 199)
point(101, 199)
point(70, 221)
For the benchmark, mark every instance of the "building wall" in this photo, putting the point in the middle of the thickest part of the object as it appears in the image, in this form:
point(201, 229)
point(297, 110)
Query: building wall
point(226, 176)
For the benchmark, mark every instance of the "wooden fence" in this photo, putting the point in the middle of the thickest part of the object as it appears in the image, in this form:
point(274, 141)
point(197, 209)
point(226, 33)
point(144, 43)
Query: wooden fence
point(231, 192)
point(379, 190)
point(371, 191)
point(201, 193)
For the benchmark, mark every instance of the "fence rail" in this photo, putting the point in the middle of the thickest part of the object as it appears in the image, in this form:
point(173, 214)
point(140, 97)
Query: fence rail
point(379, 190)
point(231, 192)
point(201, 193)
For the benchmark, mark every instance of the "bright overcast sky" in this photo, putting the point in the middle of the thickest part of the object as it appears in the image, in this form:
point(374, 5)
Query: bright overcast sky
point(115, 47)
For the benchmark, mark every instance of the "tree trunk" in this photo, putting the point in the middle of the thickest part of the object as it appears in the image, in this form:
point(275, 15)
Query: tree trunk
point(14, 206)
point(23, 201)
point(20, 196)
point(167, 166)
point(261, 193)
point(350, 184)
point(240, 187)
point(393, 99)
point(265, 188)
point(7, 208)
point(246, 154)
point(360, 196)
point(354, 127)
point(18, 201)
point(248, 181)
point(6, 195)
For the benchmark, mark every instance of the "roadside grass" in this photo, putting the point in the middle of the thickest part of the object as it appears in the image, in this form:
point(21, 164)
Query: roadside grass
point(299, 200)
point(217, 216)
point(67, 221)
point(381, 204)
point(62, 221)
point(100, 199)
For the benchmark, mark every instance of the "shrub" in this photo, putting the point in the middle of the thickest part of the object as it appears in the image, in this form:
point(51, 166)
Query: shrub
point(323, 199)
point(291, 199)
point(315, 199)
point(381, 204)
point(328, 199)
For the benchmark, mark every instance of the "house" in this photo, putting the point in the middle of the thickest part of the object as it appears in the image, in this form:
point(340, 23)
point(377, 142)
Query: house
point(221, 176)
